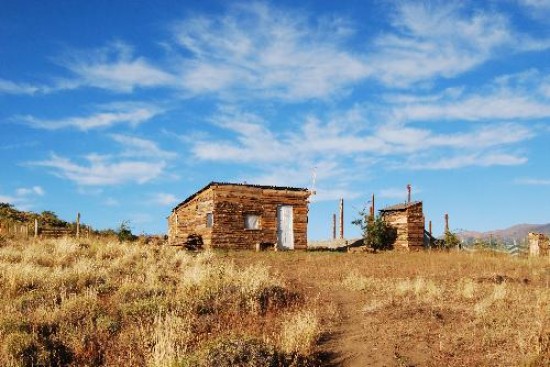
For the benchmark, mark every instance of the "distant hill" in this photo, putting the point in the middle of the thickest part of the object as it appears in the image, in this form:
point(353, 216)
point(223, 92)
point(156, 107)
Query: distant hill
point(516, 232)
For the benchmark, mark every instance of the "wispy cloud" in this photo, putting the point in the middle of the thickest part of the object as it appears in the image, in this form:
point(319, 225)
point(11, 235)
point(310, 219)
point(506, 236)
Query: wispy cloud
point(139, 162)
point(287, 56)
point(130, 113)
point(394, 193)
point(164, 199)
point(35, 190)
point(139, 147)
point(24, 197)
point(115, 68)
point(100, 171)
point(255, 142)
point(441, 39)
point(533, 181)
point(486, 159)
point(10, 87)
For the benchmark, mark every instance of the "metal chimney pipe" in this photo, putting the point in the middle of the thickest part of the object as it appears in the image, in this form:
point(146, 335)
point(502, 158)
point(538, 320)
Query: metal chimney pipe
point(408, 193)
point(446, 222)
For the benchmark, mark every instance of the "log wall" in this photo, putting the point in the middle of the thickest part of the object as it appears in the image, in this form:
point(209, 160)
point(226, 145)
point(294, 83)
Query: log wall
point(415, 226)
point(409, 224)
point(190, 219)
point(229, 205)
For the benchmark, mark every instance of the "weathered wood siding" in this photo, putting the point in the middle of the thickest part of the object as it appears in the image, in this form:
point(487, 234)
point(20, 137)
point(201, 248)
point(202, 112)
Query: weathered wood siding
point(409, 223)
point(191, 219)
point(398, 220)
point(229, 205)
point(416, 225)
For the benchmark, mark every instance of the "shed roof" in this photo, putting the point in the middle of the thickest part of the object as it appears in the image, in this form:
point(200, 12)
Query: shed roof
point(215, 183)
point(400, 207)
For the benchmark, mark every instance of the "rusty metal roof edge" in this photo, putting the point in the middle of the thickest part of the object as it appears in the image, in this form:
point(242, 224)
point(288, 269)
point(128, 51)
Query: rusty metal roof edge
point(217, 183)
point(399, 207)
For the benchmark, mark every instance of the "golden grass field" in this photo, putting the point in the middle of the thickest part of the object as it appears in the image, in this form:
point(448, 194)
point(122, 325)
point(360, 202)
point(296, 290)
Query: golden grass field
point(91, 303)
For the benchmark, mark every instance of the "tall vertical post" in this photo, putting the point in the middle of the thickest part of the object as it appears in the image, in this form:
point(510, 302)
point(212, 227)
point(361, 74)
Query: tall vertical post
point(430, 228)
point(333, 226)
point(409, 193)
point(342, 219)
point(372, 210)
point(77, 225)
point(446, 222)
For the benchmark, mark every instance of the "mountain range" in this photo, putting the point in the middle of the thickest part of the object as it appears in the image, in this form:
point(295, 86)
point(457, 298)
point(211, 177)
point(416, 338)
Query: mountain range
point(516, 232)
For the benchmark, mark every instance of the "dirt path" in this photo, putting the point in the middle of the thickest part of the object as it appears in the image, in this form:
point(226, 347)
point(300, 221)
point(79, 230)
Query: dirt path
point(354, 338)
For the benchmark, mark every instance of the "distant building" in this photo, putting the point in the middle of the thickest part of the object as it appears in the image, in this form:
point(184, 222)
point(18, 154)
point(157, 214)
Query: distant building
point(408, 220)
point(242, 216)
point(539, 244)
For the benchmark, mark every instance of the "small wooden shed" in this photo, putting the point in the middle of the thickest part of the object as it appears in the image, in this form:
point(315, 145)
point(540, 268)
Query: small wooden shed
point(242, 216)
point(408, 220)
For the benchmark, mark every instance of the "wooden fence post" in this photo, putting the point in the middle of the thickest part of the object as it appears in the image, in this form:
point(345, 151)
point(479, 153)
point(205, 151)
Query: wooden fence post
point(77, 225)
point(35, 228)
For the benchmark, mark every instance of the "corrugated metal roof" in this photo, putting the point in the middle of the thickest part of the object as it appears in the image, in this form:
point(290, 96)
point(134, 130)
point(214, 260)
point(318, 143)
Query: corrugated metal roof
point(215, 183)
point(399, 207)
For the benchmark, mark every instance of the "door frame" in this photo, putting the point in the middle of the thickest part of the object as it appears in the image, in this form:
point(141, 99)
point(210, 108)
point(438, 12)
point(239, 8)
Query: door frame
point(288, 229)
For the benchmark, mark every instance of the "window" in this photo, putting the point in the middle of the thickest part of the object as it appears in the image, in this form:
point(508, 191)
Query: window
point(209, 220)
point(252, 221)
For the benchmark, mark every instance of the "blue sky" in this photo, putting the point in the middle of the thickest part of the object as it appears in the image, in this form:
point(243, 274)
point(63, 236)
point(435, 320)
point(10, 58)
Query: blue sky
point(121, 109)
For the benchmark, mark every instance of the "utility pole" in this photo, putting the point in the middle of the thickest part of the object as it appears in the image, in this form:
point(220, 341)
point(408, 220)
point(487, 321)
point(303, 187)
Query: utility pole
point(333, 226)
point(77, 225)
point(341, 218)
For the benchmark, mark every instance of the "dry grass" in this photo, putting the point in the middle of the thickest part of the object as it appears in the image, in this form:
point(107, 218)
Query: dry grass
point(68, 303)
point(427, 308)
point(90, 304)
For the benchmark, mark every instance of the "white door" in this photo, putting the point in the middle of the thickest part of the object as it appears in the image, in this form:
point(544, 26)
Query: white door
point(285, 227)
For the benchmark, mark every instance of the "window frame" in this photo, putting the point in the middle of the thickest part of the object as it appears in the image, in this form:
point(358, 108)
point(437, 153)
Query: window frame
point(258, 221)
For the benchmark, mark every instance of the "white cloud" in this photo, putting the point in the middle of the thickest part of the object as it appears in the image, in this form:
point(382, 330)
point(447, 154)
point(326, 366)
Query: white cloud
point(111, 202)
point(285, 56)
point(256, 143)
point(24, 197)
point(101, 171)
point(394, 193)
point(486, 159)
point(521, 96)
point(8, 199)
point(35, 190)
point(139, 147)
point(440, 39)
point(140, 161)
point(164, 199)
point(115, 68)
point(9, 87)
point(533, 181)
point(108, 115)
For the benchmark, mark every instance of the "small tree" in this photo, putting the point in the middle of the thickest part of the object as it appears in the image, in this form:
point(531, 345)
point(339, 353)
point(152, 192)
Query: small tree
point(451, 240)
point(124, 233)
point(377, 234)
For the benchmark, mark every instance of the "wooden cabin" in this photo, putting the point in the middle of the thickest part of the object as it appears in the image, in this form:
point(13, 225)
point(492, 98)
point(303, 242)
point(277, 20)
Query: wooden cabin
point(242, 216)
point(408, 220)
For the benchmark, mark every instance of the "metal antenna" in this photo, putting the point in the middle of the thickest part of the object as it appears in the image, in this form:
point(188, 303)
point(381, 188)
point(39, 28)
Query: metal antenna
point(313, 182)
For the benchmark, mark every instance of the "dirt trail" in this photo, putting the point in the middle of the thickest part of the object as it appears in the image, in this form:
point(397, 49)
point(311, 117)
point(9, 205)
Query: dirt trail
point(355, 338)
